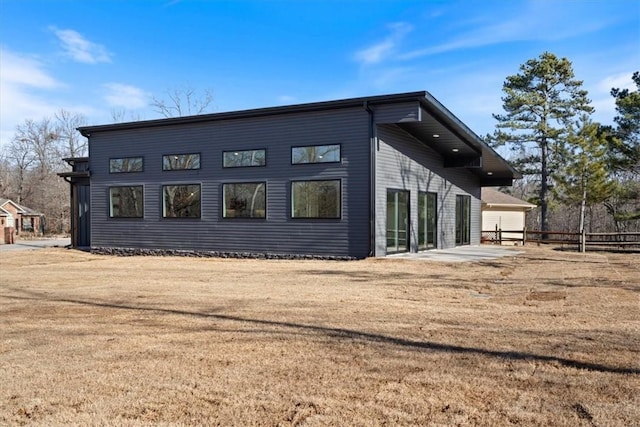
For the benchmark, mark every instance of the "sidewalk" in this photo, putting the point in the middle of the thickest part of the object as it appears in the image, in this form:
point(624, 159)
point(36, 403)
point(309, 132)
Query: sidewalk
point(462, 253)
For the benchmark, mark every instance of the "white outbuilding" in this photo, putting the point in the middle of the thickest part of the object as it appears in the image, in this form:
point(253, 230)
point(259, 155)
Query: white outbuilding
point(501, 211)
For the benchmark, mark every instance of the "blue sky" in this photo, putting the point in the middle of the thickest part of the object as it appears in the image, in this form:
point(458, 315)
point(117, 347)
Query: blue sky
point(97, 56)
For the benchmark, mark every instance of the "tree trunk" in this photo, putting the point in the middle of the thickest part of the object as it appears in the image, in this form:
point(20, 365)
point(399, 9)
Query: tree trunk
point(544, 187)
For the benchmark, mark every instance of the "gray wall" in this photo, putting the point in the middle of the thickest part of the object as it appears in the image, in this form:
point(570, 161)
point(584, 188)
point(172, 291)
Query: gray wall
point(348, 236)
point(404, 163)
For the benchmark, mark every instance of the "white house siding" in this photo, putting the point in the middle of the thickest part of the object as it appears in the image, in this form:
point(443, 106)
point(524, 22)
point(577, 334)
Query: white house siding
point(503, 218)
point(402, 162)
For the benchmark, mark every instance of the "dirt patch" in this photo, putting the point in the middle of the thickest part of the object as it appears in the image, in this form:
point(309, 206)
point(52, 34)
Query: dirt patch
point(544, 338)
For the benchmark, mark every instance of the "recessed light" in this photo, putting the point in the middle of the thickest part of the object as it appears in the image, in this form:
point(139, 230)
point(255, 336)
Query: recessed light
point(489, 173)
point(435, 135)
point(455, 150)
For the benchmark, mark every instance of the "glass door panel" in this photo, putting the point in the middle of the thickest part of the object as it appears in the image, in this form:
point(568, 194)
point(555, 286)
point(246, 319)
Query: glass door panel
point(397, 221)
point(427, 221)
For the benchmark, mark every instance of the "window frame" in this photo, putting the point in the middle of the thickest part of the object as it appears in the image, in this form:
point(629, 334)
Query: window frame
point(126, 158)
point(224, 201)
point(182, 154)
point(423, 202)
point(292, 200)
point(339, 145)
point(163, 206)
point(110, 203)
point(463, 220)
point(224, 152)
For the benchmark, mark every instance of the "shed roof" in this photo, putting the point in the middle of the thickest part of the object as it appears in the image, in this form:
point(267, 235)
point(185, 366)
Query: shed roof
point(459, 145)
point(492, 197)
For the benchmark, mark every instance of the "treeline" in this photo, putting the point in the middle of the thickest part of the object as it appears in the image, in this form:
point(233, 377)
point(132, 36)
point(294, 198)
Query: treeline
point(30, 161)
point(581, 174)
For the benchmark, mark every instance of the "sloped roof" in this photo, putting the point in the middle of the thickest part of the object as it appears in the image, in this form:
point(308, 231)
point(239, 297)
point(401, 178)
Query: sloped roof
point(23, 209)
point(491, 197)
point(434, 125)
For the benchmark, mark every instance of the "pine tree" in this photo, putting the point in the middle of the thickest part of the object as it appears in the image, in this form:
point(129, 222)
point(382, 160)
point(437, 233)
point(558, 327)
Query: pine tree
point(540, 103)
point(625, 147)
point(584, 180)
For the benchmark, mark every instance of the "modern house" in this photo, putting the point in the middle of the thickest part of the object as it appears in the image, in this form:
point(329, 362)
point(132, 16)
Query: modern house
point(348, 178)
point(501, 211)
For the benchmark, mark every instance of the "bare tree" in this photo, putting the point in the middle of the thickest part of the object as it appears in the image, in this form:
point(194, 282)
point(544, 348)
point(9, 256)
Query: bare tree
point(21, 157)
point(183, 101)
point(72, 143)
point(120, 115)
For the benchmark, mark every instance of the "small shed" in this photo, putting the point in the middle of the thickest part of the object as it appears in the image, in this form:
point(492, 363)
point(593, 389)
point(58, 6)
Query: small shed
point(501, 211)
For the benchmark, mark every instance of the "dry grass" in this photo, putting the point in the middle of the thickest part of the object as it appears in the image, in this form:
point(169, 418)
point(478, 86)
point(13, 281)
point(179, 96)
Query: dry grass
point(545, 338)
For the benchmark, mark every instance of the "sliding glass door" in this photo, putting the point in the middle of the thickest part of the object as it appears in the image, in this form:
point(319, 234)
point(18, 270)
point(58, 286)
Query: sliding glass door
point(427, 221)
point(397, 221)
point(463, 220)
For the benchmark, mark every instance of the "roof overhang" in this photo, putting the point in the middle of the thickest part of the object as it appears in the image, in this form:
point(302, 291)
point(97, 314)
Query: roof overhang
point(458, 145)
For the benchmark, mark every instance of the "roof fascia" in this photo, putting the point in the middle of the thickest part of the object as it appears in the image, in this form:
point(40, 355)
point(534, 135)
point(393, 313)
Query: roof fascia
point(269, 111)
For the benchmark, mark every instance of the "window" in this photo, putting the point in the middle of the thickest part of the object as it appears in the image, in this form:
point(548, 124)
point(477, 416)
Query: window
point(245, 158)
point(126, 202)
point(427, 221)
point(315, 154)
point(174, 162)
point(245, 200)
point(126, 164)
point(181, 201)
point(316, 199)
point(463, 220)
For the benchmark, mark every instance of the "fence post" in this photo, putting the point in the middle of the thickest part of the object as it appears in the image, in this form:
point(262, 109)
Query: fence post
point(524, 236)
point(583, 241)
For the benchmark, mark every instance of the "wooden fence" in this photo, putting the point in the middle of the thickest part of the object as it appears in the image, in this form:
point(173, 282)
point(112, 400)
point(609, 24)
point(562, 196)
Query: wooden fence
point(616, 241)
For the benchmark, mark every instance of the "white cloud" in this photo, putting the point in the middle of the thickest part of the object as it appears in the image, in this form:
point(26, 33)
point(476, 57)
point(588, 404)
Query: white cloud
point(539, 21)
point(601, 99)
point(81, 49)
point(25, 71)
point(619, 81)
point(125, 96)
point(380, 51)
point(24, 85)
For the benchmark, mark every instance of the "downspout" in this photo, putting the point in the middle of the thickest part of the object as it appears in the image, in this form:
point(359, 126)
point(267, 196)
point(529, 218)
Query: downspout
point(372, 181)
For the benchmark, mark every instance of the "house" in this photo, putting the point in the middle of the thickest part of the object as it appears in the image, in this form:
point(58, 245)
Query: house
point(18, 220)
point(501, 211)
point(348, 178)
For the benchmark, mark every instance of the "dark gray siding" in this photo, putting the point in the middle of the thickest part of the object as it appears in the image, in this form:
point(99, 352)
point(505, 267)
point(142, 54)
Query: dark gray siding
point(398, 112)
point(404, 163)
point(348, 236)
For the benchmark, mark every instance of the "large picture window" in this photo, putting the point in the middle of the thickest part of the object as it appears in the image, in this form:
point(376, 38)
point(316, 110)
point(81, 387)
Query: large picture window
point(245, 200)
point(463, 220)
point(126, 164)
point(316, 199)
point(126, 202)
point(172, 162)
point(243, 158)
point(315, 154)
point(181, 201)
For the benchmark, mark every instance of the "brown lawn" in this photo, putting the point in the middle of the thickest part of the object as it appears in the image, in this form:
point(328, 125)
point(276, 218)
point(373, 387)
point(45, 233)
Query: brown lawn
point(544, 338)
